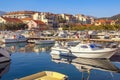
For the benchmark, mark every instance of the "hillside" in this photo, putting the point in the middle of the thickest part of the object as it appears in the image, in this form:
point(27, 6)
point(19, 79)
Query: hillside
point(115, 17)
point(2, 12)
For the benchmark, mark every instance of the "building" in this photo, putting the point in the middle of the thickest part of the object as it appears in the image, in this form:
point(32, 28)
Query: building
point(69, 18)
point(81, 18)
point(26, 20)
point(36, 24)
point(47, 18)
point(9, 20)
point(50, 19)
point(104, 22)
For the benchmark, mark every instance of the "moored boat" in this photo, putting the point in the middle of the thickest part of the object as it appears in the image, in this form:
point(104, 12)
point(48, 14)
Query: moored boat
point(44, 41)
point(86, 50)
point(45, 75)
point(14, 38)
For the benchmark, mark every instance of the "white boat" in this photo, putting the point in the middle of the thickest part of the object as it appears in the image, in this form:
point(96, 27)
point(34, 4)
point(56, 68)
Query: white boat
point(45, 75)
point(44, 41)
point(4, 55)
point(14, 38)
point(86, 50)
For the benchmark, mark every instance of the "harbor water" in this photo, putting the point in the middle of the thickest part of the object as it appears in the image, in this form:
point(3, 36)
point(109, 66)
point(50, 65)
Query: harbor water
point(27, 59)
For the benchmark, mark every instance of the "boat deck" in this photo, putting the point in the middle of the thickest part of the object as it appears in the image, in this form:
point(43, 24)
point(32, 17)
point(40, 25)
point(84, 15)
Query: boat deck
point(47, 75)
point(47, 78)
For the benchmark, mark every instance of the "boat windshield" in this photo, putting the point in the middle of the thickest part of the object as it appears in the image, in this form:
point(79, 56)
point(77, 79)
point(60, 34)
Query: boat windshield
point(84, 46)
point(92, 45)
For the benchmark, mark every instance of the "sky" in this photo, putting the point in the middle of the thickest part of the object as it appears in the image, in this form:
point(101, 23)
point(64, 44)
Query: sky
point(96, 8)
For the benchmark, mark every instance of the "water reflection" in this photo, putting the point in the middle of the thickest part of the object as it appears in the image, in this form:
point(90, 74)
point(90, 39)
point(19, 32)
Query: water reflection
point(14, 47)
point(4, 68)
point(85, 65)
point(24, 47)
point(42, 47)
point(115, 58)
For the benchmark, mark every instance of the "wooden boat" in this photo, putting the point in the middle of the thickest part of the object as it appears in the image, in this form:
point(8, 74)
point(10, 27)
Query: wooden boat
point(45, 75)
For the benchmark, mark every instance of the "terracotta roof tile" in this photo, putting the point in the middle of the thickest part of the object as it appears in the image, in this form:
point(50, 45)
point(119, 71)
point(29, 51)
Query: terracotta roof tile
point(39, 22)
point(26, 19)
point(12, 19)
point(21, 12)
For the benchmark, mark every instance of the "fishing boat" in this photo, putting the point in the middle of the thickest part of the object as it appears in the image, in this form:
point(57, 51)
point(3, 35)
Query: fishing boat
point(86, 50)
point(45, 75)
point(4, 55)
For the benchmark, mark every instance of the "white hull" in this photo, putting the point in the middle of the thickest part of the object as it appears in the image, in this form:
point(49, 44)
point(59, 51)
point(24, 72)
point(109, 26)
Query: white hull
point(13, 40)
point(44, 41)
point(66, 52)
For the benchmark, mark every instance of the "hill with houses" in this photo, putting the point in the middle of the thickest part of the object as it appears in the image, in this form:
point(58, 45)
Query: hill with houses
point(35, 19)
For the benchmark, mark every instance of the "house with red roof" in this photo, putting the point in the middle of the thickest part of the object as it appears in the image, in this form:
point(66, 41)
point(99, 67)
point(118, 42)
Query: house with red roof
point(104, 22)
point(9, 20)
point(26, 20)
point(36, 24)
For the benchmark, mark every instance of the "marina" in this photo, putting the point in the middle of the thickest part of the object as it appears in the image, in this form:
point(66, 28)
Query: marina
point(28, 59)
point(60, 40)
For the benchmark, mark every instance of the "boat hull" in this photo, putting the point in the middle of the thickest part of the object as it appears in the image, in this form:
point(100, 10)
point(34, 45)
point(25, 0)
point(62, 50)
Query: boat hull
point(67, 52)
point(13, 40)
point(95, 55)
point(44, 42)
point(45, 75)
